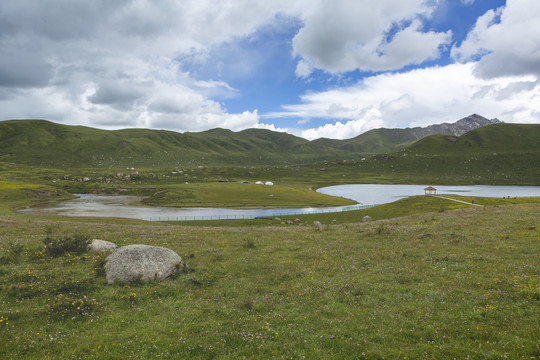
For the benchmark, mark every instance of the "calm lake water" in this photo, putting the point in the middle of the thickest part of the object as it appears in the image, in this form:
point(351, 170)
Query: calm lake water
point(370, 194)
point(365, 194)
point(119, 206)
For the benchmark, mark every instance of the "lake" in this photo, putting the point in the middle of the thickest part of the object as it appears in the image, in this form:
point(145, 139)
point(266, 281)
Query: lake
point(365, 194)
point(119, 206)
point(370, 194)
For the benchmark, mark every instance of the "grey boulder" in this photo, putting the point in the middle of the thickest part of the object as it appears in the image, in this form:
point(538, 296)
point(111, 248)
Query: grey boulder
point(102, 245)
point(147, 263)
point(366, 219)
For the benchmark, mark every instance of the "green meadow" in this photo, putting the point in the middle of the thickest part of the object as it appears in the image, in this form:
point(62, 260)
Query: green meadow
point(461, 283)
point(426, 278)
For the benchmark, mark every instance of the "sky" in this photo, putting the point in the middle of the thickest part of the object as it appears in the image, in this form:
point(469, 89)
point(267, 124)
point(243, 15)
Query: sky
point(312, 68)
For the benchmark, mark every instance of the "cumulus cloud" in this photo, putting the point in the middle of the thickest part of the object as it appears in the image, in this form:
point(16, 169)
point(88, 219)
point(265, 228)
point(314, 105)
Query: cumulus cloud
point(341, 130)
point(371, 35)
point(505, 41)
point(121, 63)
point(102, 62)
point(417, 98)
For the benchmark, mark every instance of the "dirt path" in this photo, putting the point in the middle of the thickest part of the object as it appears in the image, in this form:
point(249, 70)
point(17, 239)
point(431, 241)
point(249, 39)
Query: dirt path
point(459, 201)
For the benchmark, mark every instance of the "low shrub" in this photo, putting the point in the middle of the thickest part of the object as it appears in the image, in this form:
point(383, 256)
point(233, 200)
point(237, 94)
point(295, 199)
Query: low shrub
point(68, 306)
point(60, 245)
point(37, 256)
point(12, 253)
point(249, 244)
point(130, 298)
point(4, 322)
point(99, 265)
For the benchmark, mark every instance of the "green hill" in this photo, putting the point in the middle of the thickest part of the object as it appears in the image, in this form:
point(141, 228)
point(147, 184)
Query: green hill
point(380, 141)
point(495, 154)
point(497, 138)
point(44, 143)
point(47, 144)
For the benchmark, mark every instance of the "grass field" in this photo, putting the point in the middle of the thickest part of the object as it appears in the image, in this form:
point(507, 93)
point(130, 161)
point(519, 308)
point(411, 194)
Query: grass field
point(428, 278)
point(461, 283)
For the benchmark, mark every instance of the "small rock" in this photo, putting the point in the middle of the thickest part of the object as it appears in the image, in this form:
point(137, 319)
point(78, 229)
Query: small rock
point(366, 218)
point(297, 220)
point(102, 246)
point(318, 225)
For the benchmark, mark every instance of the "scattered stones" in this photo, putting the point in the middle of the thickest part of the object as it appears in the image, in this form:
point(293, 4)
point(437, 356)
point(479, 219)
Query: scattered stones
point(318, 225)
point(297, 220)
point(366, 219)
point(102, 246)
point(147, 263)
point(277, 219)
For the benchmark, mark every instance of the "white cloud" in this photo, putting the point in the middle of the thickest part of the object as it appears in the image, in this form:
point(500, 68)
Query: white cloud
point(417, 98)
point(510, 46)
point(303, 69)
point(270, 127)
point(341, 130)
point(373, 35)
point(119, 63)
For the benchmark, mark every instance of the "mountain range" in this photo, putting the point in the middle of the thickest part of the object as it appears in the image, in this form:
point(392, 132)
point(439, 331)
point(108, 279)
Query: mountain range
point(44, 143)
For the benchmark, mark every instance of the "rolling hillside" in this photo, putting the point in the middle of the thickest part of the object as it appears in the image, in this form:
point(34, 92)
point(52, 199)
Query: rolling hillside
point(44, 143)
point(495, 154)
point(497, 138)
point(40, 142)
point(380, 141)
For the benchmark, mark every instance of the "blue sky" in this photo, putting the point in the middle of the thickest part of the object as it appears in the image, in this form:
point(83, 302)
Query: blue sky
point(271, 81)
point(314, 68)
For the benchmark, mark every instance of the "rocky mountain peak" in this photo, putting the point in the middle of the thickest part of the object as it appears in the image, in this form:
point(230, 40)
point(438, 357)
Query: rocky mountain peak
point(458, 128)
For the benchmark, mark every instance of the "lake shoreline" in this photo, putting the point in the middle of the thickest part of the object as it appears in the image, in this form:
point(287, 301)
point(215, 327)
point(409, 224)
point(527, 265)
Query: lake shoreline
point(363, 194)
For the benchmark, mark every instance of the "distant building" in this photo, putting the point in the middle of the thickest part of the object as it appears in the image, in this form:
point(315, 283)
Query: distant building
point(430, 190)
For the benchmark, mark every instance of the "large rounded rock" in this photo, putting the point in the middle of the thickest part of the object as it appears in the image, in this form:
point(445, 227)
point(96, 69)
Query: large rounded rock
point(147, 263)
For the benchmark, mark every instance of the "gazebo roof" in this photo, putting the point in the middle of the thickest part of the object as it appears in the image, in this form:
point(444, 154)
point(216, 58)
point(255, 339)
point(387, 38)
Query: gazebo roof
point(430, 188)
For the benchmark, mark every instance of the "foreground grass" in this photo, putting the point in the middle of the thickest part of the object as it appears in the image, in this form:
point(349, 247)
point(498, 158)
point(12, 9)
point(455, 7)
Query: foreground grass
point(452, 284)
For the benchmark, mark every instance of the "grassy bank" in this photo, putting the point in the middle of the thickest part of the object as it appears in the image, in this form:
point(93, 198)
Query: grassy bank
point(15, 195)
point(452, 284)
point(238, 195)
point(404, 207)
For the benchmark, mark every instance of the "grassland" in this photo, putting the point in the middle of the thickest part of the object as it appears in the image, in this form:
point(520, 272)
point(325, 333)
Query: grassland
point(461, 283)
point(428, 278)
